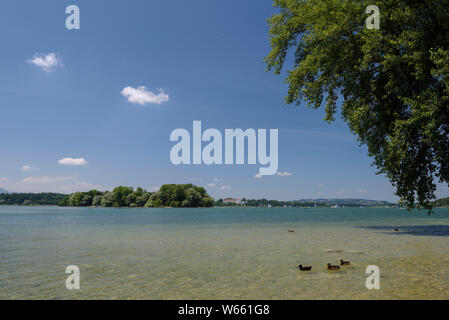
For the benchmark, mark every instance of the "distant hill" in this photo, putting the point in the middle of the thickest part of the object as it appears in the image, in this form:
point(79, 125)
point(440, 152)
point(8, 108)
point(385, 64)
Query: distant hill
point(444, 202)
point(3, 191)
point(347, 202)
point(306, 203)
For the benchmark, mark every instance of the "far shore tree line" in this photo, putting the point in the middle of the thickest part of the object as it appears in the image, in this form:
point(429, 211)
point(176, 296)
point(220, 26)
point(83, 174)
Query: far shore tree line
point(186, 195)
point(169, 195)
point(30, 199)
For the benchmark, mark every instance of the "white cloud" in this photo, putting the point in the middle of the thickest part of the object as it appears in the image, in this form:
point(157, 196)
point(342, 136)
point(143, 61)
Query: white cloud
point(29, 168)
point(217, 179)
point(257, 176)
point(362, 191)
point(46, 62)
point(340, 191)
point(2, 179)
point(142, 96)
point(225, 188)
point(283, 174)
point(321, 186)
point(212, 185)
point(73, 162)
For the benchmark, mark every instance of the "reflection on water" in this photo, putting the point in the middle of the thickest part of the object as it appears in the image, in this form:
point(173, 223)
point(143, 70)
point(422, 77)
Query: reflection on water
point(425, 230)
point(222, 253)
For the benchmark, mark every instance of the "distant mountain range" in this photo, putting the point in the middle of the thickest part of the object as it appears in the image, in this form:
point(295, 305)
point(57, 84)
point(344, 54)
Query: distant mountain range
point(3, 191)
point(349, 202)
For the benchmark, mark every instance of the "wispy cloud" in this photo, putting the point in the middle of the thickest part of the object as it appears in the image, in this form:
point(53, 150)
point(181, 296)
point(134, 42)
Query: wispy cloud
point(2, 179)
point(362, 191)
point(51, 184)
point(46, 179)
point(211, 185)
point(47, 62)
point(217, 179)
point(26, 168)
point(340, 191)
point(59, 184)
point(279, 173)
point(73, 162)
point(284, 174)
point(141, 95)
point(321, 186)
point(225, 188)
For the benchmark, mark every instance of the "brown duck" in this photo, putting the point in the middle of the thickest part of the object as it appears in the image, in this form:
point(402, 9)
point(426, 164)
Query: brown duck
point(344, 263)
point(331, 267)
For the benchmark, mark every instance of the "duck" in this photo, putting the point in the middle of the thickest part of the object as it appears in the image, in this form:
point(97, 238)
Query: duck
point(344, 263)
point(331, 267)
point(291, 230)
point(300, 267)
point(396, 230)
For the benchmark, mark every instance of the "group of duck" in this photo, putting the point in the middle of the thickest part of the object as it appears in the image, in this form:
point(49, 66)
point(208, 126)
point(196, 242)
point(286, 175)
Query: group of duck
point(328, 266)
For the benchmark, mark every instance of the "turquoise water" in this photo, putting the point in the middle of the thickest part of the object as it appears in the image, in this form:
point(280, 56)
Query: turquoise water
point(222, 253)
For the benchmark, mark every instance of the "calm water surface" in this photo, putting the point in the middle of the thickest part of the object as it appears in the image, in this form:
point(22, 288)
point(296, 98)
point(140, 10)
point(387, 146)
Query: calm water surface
point(222, 253)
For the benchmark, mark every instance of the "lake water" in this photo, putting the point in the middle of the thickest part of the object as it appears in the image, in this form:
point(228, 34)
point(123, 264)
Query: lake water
point(222, 253)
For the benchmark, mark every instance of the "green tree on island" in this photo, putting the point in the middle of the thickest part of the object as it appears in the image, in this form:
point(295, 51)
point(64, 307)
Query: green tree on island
point(392, 82)
point(169, 195)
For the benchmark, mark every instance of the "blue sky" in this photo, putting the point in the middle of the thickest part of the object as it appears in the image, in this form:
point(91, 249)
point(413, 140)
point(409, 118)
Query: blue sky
point(205, 55)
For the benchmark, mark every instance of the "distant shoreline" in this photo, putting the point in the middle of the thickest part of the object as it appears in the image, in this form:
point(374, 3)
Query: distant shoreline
point(127, 197)
point(235, 207)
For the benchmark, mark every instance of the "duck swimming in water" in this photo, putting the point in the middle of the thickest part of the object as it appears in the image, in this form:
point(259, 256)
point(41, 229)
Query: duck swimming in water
point(291, 230)
point(331, 267)
point(300, 267)
point(344, 263)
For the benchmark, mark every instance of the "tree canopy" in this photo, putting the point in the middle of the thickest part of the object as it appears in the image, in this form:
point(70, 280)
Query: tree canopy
point(169, 195)
point(392, 83)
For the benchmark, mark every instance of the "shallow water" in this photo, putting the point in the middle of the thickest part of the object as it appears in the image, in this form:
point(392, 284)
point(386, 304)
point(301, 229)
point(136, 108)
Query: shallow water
point(222, 253)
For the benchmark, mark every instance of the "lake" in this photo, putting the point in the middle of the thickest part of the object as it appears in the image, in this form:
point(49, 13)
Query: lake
point(222, 253)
